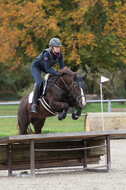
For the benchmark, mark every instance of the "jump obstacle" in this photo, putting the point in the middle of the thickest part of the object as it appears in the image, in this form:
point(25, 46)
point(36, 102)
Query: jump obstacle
point(56, 150)
point(112, 121)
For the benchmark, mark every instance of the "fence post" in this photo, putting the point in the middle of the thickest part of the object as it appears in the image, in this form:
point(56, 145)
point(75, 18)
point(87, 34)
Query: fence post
point(109, 105)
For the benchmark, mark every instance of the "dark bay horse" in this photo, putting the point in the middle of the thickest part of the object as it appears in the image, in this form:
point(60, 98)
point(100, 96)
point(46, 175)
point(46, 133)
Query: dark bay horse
point(62, 92)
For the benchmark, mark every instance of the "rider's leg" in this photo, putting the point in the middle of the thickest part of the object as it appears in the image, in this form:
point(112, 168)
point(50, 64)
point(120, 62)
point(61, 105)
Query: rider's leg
point(36, 95)
point(36, 73)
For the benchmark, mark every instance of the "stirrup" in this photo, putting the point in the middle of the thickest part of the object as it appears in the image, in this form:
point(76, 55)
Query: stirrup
point(34, 108)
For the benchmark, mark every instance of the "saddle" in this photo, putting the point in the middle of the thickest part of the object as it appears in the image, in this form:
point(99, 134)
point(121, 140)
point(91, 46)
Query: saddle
point(42, 88)
point(42, 93)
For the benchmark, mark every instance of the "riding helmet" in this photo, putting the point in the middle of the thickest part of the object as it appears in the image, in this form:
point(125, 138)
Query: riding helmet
point(55, 42)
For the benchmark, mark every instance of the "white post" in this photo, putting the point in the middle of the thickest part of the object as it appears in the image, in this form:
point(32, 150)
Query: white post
point(103, 79)
point(102, 107)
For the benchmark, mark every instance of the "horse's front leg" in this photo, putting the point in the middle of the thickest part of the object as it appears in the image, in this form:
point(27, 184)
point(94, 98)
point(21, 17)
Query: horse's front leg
point(62, 108)
point(77, 114)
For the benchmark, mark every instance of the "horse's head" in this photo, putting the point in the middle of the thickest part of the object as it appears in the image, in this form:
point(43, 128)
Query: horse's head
point(75, 86)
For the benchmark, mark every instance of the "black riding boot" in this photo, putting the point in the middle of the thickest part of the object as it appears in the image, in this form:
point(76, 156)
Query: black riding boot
point(36, 95)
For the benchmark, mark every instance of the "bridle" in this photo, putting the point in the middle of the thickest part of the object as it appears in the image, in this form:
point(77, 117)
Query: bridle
point(68, 91)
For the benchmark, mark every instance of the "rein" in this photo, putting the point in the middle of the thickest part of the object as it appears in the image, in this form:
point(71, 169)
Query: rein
point(53, 83)
point(73, 94)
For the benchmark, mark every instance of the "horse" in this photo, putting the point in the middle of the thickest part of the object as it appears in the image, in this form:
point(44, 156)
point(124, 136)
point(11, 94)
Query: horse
point(62, 91)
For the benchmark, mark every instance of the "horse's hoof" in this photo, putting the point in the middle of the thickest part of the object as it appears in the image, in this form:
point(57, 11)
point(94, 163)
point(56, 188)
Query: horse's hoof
point(74, 116)
point(60, 117)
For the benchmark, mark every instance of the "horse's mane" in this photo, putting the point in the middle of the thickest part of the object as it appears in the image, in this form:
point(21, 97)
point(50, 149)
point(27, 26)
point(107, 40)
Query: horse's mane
point(63, 71)
point(66, 70)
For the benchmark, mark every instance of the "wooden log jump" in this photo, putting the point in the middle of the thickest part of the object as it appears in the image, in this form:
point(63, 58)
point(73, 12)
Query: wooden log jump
point(55, 150)
point(112, 121)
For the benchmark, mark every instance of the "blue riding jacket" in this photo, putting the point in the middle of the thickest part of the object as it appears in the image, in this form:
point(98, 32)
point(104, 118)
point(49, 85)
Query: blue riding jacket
point(44, 63)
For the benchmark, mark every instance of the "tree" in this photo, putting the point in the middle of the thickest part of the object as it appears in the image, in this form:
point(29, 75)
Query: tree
point(93, 32)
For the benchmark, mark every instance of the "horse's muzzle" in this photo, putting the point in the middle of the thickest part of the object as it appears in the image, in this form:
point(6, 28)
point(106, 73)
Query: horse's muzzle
point(82, 102)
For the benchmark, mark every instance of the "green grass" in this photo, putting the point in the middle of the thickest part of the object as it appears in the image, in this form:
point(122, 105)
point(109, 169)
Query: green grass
point(8, 110)
point(8, 126)
point(68, 125)
point(52, 125)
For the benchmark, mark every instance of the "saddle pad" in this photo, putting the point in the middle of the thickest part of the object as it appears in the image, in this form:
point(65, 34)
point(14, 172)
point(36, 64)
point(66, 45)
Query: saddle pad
point(43, 102)
point(30, 99)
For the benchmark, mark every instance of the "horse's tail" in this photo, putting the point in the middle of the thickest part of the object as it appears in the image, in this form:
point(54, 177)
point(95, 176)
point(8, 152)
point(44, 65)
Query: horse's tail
point(29, 130)
point(23, 120)
point(18, 128)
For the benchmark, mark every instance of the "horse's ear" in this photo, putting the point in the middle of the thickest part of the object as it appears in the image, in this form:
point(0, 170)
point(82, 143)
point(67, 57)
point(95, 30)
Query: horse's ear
point(75, 77)
point(84, 76)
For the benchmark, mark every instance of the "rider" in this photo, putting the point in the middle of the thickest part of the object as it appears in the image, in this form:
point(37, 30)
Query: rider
point(44, 63)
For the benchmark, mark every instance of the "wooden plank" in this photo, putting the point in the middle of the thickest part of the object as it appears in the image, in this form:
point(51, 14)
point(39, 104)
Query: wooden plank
point(9, 160)
point(22, 151)
point(112, 121)
point(108, 153)
point(87, 123)
point(48, 164)
point(21, 154)
point(32, 158)
point(61, 136)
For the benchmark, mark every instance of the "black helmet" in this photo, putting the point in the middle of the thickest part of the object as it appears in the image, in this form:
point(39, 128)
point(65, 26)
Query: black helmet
point(55, 42)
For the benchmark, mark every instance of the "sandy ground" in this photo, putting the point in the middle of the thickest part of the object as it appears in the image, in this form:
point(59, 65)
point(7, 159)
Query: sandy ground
point(74, 179)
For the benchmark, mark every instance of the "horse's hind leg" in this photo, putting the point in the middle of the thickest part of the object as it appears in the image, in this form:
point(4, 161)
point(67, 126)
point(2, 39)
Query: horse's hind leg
point(38, 124)
point(23, 120)
point(23, 125)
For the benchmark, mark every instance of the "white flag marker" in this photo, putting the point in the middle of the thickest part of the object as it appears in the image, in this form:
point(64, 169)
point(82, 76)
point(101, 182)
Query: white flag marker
point(103, 79)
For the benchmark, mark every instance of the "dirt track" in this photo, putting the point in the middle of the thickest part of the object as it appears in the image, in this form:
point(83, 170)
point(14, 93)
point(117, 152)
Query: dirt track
point(75, 179)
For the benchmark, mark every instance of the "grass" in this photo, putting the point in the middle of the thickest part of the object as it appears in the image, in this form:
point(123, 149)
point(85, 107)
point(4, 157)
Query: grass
point(8, 110)
point(8, 126)
point(68, 125)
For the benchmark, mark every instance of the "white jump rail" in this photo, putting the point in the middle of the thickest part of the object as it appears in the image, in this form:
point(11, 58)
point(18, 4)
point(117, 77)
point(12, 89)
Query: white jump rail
point(88, 101)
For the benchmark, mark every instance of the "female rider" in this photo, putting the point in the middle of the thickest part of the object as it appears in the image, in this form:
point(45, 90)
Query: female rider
point(44, 63)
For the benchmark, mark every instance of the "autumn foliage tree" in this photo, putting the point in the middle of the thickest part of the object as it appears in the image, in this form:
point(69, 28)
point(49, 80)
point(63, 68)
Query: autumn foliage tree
point(93, 33)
